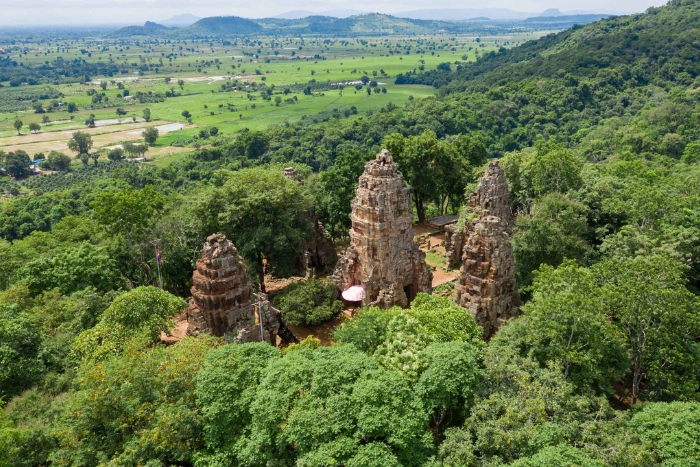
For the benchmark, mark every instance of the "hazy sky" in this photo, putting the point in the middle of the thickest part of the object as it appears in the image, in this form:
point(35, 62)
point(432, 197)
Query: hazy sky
point(137, 11)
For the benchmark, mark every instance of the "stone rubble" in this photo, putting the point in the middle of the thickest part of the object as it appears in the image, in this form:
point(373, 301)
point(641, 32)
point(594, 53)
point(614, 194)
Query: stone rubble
point(487, 285)
point(382, 256)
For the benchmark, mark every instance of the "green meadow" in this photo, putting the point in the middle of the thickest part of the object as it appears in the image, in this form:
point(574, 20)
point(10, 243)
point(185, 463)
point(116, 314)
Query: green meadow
point(243, 84)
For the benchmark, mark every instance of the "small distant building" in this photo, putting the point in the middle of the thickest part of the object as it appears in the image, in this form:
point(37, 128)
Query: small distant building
point(34, 169)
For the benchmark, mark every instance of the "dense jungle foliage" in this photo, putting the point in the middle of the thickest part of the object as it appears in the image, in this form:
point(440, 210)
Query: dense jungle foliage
point(598, 132)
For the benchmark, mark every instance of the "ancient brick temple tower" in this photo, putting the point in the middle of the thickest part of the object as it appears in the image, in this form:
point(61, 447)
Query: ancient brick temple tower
point(487, 276)
point(222, 296)
point(382, 256)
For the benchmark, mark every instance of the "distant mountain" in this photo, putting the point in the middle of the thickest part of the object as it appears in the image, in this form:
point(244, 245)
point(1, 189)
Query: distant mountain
point(551, 12)
point(295, 14)
point(458, 14)
point(223, 25)
point(180, 21)
point(152, 25)
point(148, 29)
point(300, 14)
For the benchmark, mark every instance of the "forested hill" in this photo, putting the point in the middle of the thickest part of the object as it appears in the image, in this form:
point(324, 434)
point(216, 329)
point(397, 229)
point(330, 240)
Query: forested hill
point(661, 43)
point(627, 73)
point(365, 24)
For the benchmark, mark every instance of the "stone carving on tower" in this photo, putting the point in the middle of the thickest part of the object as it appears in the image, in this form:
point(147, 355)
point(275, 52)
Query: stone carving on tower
point(487, 285)
point(382, 256)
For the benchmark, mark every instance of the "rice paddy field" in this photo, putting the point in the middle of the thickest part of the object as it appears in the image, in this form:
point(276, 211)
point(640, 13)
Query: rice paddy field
point(194, 85)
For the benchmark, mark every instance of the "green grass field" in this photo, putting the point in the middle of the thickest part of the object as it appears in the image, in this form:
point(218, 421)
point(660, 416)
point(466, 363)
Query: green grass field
point(203, 68)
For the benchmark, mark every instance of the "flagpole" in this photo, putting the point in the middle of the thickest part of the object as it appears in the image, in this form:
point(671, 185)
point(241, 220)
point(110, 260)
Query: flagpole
point(160, 278)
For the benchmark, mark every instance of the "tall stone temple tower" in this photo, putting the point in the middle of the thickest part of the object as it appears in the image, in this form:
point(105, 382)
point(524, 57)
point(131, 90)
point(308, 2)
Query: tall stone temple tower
point(222, 298)
point(382, 256)
point(487, 285)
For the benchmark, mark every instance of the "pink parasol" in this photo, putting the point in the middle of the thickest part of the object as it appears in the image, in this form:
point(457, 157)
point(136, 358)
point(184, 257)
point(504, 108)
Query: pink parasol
point(354, 294)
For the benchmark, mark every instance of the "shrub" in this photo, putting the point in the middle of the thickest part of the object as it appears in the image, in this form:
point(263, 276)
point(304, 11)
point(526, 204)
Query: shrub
point(308, 303)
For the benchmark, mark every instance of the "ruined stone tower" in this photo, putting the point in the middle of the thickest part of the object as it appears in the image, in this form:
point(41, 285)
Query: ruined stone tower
point(487, 285)
point(382, 256)
point(222, 296)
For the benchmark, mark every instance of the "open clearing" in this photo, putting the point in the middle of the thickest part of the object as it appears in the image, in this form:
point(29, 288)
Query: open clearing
point(101, 136)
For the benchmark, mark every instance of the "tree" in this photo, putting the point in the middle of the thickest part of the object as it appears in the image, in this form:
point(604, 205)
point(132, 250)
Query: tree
point(251, 144)
point(58, 161)
point(186, 114)
point(425, 163)
point(181, 83)
point(367, 330)
point(95, 155)
point(128, 211)
point(309, 303)
point(554, 230)
point(129, 148)
point(72, 270)
point(81, 143)
point(561, 455)
point(137, 316)
point(226, 386)
point(549, 168)
point(565, 325)
point(264, 213)
point(520, 408)
point(150, 135)
point(672, 431)
point(34, 127)
point(144, 399)
point(45, 119)
point(18, 124)
point(691, 155)
point(371, 416)
point(334, 189)
point(278, 101)
point(648, 298)
point(20, 342)
point(449, 373)
point(115, 154)
point(17, 163)
point(90, 121)
point(454, 170)
point(398, 340)
point(147, 114)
